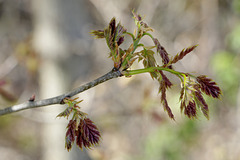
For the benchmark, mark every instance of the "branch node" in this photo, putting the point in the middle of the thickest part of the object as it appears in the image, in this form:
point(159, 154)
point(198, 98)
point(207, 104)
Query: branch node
point(62, 101)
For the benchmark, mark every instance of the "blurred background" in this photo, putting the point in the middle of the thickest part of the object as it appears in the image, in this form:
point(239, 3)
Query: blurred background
point(46, 50)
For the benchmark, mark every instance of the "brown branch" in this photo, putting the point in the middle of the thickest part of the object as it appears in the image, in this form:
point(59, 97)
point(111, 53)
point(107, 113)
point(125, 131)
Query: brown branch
point(58, 99)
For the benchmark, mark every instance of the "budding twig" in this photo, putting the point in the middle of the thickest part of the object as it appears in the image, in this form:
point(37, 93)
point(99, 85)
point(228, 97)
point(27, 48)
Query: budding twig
point(58, 99)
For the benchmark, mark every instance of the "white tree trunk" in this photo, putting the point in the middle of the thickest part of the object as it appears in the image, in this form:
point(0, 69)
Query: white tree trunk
point(52, 80)
point(49, 41)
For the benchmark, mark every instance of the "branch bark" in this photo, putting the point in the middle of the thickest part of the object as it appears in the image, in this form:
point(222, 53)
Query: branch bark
point(58, 99)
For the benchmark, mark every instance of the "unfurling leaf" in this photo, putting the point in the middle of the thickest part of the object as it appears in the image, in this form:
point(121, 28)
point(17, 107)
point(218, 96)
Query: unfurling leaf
point(201, 102)
point(72, 103)
point(68, 143)
point(183, 105)
point(190, 97)
point(182, 54)
point(71, 130)
point(139, 22)
point(182, 93)
point(161, 50)
point(112, 25)
point(136, 16)
point(208, 86)
point(149, 60)
point(190, 110)
point(70, 134)
point(79, 139)
point(162, 90)
point(120, 41)
point(98, 33)
point(66, 112)
point(84, 132)
point(88, 134)
point(79, 128)
point(114, 34)
point(167, 82)
point(168, 109)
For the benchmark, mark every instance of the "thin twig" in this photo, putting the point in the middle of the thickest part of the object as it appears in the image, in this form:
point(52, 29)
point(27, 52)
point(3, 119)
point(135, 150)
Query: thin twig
point(58, 99)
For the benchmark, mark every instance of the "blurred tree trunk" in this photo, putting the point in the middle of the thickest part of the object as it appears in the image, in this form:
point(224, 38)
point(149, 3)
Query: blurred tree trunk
point(50, 40)
point(50, 46)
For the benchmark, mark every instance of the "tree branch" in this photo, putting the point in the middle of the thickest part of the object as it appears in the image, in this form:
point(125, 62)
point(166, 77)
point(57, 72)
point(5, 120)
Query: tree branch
point(58, 99)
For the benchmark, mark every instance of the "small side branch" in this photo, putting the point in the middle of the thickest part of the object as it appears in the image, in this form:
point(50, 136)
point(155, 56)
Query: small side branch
point(58, 99)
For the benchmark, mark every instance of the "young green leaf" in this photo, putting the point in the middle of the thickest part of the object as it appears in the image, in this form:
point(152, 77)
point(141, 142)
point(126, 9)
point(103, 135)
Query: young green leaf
point(66, 112)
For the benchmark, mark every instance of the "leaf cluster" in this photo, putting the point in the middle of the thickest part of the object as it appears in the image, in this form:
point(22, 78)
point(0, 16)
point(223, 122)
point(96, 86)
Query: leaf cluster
point(192, 95)
point(192, 87)
point(80, 128)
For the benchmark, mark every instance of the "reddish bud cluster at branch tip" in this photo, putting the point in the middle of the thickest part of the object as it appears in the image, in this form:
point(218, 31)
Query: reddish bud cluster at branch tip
point(192, 87)
point(80, 129)
point(191, 95)
point(86, 134)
